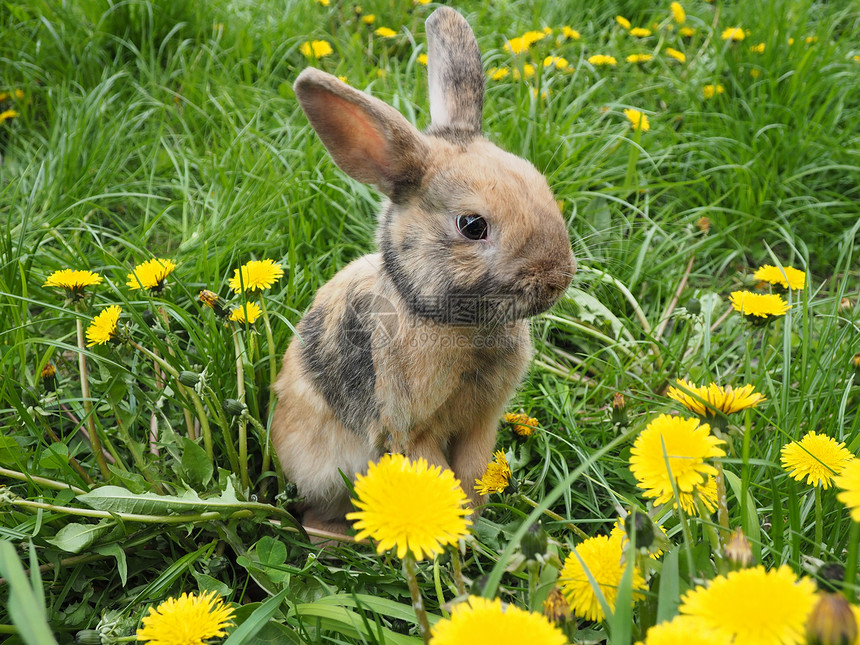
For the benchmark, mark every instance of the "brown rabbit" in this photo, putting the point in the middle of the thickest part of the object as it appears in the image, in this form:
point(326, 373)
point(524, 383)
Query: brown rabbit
point(417, 348)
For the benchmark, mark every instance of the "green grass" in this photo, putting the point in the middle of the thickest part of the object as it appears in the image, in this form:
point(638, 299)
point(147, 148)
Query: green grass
point(169, 129)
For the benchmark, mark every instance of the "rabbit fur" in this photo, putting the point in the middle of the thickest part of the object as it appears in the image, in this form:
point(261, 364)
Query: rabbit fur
point(417, 348)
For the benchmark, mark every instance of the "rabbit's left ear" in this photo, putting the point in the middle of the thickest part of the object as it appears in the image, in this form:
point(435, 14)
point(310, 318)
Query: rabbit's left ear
point(455, 72)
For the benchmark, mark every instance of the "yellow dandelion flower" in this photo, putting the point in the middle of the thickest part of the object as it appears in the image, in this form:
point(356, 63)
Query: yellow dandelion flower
point(256, 275)
point(758, 307)
point(422, 59)
point(682, 442)
point(315, 48)
point(811, 39)
point(603, 556)
point(103, 326)
point(849, 483)
point(187, 620)
point(531, 37)
point(733, 34)
point(410, 506)
point(687, 630)
point(856, 58)
point(496, 477)
point(498, 73)
point(639, 120)
point(524, 425)
point(709, 91)
point(547, 31)
point(248, 312)
point(558, 61)
point(421, 1)
point(708, 399)
point(816, 457)
point(687, 32)
point(323, 2)
point(369, 19)
point(640, 32)
point(599, 59)
point(528, 72)
point(150, 274)
point(73, 281)
point(5, 115)
point(571, 34)
point(754, 606)
point(521, 44)
point(678, 13)
point(677, 55)
point(639, 58)
point(385, 32)
point(757, 49)
point(480, 620)
point(787, 277)
point(621, 20)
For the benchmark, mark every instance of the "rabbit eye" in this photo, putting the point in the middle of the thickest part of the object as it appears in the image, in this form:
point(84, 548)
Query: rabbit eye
point(472, 227)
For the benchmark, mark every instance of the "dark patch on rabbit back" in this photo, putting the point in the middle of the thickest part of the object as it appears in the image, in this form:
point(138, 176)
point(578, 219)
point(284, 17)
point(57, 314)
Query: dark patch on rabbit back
point(343, 370)
point(455, 136)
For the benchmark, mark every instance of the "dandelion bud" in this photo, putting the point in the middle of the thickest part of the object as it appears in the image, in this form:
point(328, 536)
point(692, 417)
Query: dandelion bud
point(189, 378)
point(534, 542)
point(291, 491)
point(88, 637)
point(619, 410)
point(478, 585)
point(556, 608)
point(148, 317)
point(48, 376)
point(234, 407)
point(831, 622)
point(830, 576)
point(738, 550)
point(704, 224)
point(855, 363)
point(215, 302)
point(845, 305)
point(642, 526)
point(694, 306)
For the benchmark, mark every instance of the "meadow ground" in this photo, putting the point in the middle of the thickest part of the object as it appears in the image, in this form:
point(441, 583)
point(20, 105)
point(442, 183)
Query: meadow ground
point(169, 129)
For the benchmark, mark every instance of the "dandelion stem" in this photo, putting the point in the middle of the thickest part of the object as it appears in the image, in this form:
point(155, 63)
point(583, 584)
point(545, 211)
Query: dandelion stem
point(417, 600)
point(819, 522)
point(457, 562)
point(243, 421)
point(195, 399)
point(42, 481)
point(851, 562)
point(722, 499)
point(95, 444)
point(273, 365)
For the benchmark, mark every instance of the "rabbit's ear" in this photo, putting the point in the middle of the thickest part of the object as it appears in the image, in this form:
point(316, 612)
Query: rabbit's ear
point(455, 73)
point(368, 139)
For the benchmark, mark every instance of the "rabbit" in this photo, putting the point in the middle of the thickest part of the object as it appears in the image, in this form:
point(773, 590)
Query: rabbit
point(416, 349)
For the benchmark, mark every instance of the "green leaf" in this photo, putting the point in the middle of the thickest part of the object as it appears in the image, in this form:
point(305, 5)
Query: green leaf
point(55, 457)
point(196, 465)
point(206, 583)
point(120, 500)
point(751, 523)
point(10, 451)
point(26, 612)
point(134, 482)
point(114, 550)
point(75, 537)
point(257, 620)
point(668, 597)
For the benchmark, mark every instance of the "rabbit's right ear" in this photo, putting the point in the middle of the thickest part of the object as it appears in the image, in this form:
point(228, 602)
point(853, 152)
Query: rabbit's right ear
point(368, 139)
